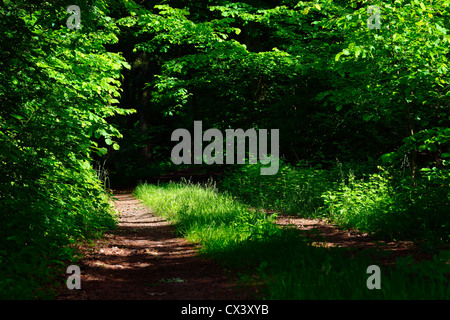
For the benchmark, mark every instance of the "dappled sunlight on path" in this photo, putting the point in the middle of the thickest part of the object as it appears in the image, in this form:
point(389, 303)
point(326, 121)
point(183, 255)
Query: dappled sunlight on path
point(145, 259)
point(327, 235)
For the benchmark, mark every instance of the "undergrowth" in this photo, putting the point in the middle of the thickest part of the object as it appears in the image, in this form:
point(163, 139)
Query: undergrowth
point(382, 202)
point(40, 221)
point(285, 263)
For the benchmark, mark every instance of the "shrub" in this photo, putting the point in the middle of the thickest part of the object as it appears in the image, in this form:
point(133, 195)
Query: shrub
point(364, 204)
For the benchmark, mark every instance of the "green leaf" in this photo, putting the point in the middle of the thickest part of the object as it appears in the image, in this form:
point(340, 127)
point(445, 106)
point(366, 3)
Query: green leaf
point(102, 151)
point(388, 157)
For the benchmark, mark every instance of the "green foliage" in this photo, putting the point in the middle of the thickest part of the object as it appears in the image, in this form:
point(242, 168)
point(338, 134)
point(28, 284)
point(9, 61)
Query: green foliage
point(387, 205)
point(334, 87)
point(213, 64)
point(397, 74)
point(57, 87)
point(383, 203)
point(365, 204)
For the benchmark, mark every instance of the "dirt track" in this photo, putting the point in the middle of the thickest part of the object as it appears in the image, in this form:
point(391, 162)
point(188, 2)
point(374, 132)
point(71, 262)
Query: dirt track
point(144, 259)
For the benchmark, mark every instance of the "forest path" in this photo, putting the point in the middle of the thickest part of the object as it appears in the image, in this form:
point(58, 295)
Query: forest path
point(144, 259)
point(328, 235)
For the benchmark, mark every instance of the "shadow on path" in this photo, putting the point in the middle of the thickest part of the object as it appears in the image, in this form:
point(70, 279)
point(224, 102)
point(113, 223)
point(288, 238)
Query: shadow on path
point(144, 259)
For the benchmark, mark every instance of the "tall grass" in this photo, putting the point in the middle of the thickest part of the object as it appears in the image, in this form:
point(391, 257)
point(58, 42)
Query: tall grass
point(204, 215)
point(285, 264)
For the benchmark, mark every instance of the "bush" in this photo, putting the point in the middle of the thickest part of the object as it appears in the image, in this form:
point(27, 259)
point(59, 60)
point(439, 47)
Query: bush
point(40, 221)
point(385, 203)
point(364, 204)
point(391, 206)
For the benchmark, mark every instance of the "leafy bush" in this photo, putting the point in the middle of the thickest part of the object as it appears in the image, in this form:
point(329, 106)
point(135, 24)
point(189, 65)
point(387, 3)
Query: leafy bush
point(57, 87)
point(364, 204)
point(385, 203)
point(391, 206)
point(38, 228)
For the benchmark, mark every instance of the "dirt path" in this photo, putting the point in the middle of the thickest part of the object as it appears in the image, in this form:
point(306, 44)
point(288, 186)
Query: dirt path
point(144, 259)
point(328, 235)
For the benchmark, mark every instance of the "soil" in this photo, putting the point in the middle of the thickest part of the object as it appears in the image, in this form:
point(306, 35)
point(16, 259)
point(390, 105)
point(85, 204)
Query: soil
point(144, 259)
point(328, 235)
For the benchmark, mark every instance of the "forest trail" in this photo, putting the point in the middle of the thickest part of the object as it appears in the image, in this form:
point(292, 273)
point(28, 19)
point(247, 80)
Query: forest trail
point(144, 259)
point(328, 235)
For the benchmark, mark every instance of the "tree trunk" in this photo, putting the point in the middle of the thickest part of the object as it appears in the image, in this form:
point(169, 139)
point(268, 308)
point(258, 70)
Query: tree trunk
point(409, 124)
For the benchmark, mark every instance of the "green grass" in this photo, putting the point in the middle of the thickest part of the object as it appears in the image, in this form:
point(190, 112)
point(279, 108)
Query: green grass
point(202, 214)
point(284, 263)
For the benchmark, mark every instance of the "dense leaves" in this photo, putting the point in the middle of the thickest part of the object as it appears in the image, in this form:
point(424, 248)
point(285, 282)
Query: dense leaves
point(57, 87)
point(292, 66)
